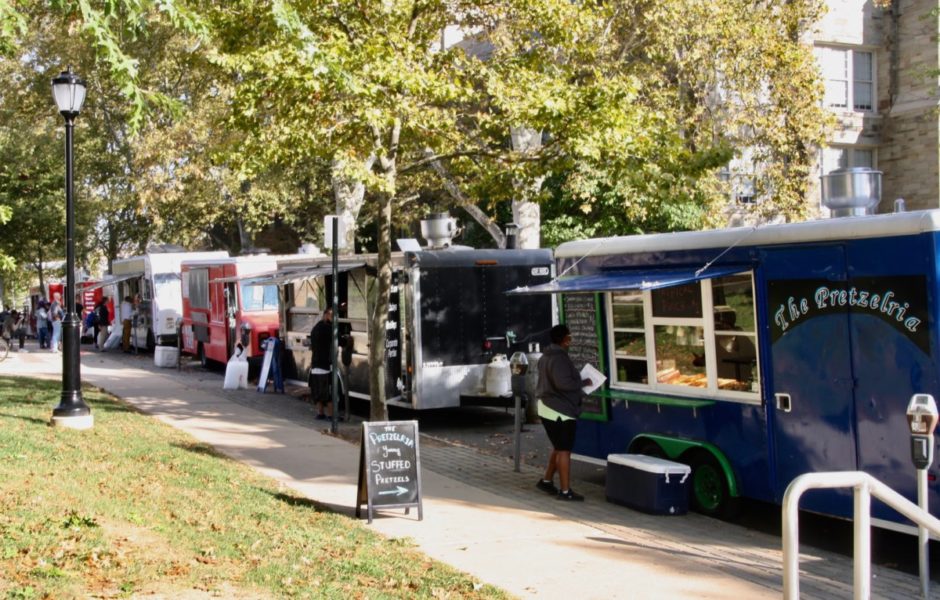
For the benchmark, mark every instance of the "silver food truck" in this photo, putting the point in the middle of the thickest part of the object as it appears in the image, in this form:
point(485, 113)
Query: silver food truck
point(448, 319)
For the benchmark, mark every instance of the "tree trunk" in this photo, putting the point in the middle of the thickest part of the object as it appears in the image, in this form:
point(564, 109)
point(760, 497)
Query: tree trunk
point(244, 238)
point(349, 193)
point(378, 410)
point(112, 245)
point(42, 275)
point(525, 213)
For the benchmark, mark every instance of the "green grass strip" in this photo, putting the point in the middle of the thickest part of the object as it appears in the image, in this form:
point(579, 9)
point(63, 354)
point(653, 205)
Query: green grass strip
point(135, 507)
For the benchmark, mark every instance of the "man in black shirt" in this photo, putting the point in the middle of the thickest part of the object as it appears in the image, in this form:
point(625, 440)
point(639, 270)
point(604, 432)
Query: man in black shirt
point(321, 342)
point(101, 322)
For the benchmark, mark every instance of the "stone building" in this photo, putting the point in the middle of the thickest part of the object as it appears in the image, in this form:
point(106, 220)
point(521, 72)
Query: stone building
point(879, 63)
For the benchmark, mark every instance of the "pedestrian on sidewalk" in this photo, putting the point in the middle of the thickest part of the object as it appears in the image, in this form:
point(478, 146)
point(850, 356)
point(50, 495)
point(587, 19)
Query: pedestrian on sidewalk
point(10, 321)
point(559, 396)
point(321, 345)
point(56, 314)
point(42, 325)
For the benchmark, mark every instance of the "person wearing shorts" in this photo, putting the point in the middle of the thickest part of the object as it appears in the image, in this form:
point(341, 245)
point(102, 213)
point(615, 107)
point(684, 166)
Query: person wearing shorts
point(321, 340)
point(559, 404)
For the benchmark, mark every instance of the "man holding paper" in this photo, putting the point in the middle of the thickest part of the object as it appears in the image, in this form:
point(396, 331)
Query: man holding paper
point(559, 394)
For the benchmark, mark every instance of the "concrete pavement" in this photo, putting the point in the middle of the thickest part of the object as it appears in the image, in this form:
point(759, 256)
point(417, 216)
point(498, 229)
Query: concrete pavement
point(479, 515)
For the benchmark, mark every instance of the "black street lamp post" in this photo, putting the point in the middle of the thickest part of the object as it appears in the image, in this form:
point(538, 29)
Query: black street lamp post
point(69, 92)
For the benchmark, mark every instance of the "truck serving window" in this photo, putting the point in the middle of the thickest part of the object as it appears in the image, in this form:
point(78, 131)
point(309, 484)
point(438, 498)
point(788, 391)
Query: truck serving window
point(199, 288)
point(693, 339)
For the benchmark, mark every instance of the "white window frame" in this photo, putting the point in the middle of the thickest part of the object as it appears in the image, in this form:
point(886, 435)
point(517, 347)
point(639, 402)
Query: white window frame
point(848, 78)
point(850, 154)
point(707, 323)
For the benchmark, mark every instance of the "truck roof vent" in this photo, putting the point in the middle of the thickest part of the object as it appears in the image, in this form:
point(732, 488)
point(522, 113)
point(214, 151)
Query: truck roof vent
point(851, 192)
point(439, 230)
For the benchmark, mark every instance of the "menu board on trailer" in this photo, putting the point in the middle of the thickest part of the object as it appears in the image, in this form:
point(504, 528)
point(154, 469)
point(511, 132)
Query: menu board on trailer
point(580, 313)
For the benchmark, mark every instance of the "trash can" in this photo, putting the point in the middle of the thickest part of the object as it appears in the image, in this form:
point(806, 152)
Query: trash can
point(647, 483)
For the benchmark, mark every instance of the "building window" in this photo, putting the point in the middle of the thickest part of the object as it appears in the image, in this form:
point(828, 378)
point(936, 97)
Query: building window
point(697, 339)
point(849, 76)
point(844, 157)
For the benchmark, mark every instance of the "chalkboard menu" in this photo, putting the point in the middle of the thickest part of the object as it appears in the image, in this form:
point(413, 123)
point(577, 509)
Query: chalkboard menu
point(389, 467)
point(580, 315)
point(581, 318)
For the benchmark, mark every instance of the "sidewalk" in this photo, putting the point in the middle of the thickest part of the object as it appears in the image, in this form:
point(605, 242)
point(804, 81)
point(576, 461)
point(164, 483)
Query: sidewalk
point(479, 515)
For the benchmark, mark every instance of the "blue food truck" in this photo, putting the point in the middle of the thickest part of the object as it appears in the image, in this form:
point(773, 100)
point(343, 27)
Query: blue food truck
point(758, 354)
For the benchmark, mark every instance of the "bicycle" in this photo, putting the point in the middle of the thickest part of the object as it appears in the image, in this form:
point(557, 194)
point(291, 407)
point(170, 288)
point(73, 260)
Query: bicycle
point(4, 348)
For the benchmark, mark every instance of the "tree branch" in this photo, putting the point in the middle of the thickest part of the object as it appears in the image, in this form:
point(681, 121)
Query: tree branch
point(450, 186)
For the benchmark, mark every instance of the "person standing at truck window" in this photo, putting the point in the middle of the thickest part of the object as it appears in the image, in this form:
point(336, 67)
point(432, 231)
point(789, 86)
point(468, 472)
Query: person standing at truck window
point(101, 321)
point(321, 342)
point(559, 396)
point(127, 316)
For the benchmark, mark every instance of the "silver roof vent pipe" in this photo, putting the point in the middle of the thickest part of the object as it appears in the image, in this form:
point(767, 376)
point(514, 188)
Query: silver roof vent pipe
point(439, 230)
point(851, 192)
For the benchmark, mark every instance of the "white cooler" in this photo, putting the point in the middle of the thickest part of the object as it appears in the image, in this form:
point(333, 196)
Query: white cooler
point(646, 483)
point(165, 356)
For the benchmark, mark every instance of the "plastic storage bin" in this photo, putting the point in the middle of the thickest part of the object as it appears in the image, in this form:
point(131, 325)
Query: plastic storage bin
point(646, 483)
point(165, 356)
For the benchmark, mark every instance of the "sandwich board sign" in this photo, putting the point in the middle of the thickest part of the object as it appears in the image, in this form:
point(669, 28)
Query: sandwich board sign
point(389, 467)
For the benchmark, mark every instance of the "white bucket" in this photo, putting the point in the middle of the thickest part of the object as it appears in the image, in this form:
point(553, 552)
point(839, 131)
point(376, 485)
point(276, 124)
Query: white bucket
point(498, 377)
point(236, 375)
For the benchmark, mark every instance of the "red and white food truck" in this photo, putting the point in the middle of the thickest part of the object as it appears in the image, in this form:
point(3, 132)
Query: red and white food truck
point(221, 308)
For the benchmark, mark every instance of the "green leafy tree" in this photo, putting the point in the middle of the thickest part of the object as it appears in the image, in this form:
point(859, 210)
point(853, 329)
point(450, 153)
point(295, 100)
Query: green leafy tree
point(639, 104)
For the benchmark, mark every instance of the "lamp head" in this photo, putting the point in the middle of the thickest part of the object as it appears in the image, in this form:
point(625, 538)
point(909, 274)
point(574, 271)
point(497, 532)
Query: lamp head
point(68, 89)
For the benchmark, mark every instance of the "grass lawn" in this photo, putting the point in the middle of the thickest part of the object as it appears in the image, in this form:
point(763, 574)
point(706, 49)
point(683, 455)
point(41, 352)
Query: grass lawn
point(135, 508)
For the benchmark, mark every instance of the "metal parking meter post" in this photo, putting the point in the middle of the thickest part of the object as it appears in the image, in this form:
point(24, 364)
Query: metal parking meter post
point(179, 344)
point(518, 365)
point(334, 349)
point(922, 421)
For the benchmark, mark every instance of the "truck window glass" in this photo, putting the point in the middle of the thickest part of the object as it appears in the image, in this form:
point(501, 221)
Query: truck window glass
point(167, 288)
point(199, 288)
point(356, 302)
point(259, 297)
point(629, 336)
point(698, 338)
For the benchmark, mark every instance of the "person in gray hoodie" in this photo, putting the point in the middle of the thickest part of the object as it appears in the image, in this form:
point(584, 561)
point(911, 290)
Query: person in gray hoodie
point(559, 394)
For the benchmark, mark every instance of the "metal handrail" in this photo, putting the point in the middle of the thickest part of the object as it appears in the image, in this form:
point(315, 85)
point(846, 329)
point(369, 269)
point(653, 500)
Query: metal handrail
point(865, 487)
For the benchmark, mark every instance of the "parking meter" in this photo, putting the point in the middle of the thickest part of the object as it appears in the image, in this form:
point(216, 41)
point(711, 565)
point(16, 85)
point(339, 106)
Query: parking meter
point(518, 366)
point(922, 420)
point(518, 363)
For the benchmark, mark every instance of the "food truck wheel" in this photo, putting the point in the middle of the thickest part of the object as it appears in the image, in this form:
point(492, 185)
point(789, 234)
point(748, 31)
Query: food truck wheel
point(709, 489)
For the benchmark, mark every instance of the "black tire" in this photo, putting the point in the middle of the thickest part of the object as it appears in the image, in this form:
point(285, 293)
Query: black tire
point(648, 448)
point(708, 489)
point(201, 355)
